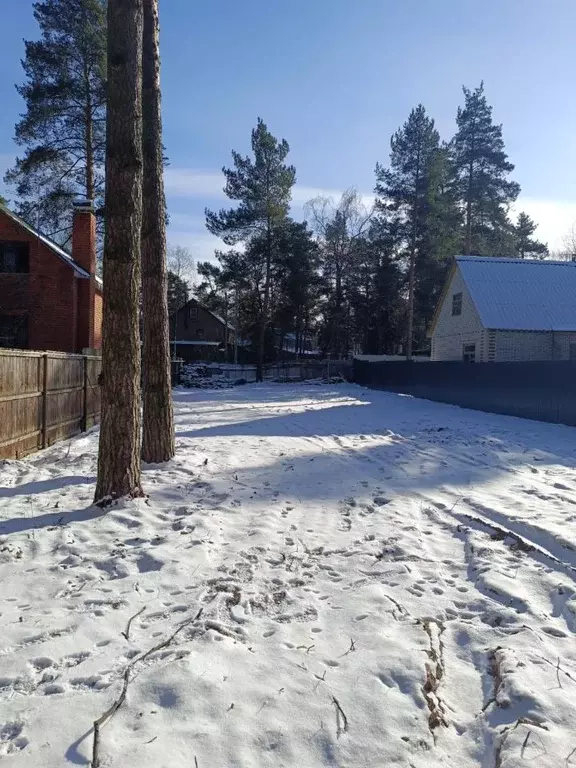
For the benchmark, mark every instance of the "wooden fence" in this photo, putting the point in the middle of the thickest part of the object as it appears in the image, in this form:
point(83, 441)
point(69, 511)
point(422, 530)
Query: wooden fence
point(45, 397)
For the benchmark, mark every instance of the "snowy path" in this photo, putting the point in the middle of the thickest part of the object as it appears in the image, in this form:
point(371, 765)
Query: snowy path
point(383, 582)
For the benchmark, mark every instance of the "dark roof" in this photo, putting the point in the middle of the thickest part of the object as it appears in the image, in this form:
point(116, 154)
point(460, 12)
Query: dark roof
point(205, 308)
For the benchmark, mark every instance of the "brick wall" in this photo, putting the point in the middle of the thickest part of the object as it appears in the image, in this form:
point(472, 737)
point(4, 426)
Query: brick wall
point(98, 307)
point(519, 346)
point(48, 292)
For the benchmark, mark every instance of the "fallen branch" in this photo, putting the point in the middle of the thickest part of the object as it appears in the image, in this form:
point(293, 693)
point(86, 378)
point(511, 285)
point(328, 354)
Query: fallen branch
point(126, 682)
point(341, 719)
point(126, 633)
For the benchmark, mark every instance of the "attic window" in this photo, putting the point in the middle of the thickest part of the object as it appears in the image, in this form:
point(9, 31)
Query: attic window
point(192, 312)
point(13, 257)
point(457, 304)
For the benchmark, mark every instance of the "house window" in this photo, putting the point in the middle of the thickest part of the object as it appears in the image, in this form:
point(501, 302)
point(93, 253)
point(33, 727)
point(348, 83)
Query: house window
point(200, 333)
point(192, 312)
point(14, 331)
point(457, 304)
point(13, 256)
point(469, 353)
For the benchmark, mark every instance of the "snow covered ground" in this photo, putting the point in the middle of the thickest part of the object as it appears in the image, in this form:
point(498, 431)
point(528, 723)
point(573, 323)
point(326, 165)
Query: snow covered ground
point(349, 578)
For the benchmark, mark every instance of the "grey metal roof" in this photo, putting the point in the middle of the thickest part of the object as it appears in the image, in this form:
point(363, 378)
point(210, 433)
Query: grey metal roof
point(521, 294)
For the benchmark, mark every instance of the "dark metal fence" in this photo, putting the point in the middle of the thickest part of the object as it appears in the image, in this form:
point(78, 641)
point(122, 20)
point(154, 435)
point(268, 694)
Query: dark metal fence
point(544, 391)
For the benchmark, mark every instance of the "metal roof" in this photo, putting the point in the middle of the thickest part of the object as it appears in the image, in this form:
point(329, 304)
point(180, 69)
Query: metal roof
point(58, 250)
point(521, 294)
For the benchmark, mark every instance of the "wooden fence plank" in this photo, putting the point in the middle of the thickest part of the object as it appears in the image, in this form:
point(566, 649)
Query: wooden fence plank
point(45, 397)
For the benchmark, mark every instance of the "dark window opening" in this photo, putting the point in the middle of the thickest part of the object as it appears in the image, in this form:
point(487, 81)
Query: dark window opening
point(14, 256)
point(192, 313)
point(469, 353)
point(14, 331)
point(457, 304)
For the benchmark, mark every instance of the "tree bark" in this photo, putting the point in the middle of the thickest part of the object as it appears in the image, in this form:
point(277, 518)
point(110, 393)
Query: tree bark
point(468, 247)
point(158, 423)
point(119, 450)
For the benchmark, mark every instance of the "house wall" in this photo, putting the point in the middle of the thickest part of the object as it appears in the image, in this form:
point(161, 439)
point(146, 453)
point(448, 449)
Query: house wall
point(451, 332)
point(561, 345)
point(98, 309)
point(186, 328)
point(47, 293)
point(519, 346)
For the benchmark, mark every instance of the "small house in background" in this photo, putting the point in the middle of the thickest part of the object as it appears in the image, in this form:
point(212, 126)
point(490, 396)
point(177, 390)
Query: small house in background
point(197, 333)
point(49, 299)
point(506, 310)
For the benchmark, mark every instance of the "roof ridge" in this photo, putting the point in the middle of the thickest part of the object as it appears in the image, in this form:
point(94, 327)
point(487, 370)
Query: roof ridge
point(516, 260)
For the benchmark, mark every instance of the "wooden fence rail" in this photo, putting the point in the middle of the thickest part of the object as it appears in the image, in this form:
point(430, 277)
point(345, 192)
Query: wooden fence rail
point(45, 397)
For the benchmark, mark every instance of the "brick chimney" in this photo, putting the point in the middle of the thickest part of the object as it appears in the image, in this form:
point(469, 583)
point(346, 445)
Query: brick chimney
point(84, 254)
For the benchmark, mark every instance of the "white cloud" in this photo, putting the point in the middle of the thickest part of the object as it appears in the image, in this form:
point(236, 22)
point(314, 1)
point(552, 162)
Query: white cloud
point(555, 218)
point(188, 182)
point(192, 183)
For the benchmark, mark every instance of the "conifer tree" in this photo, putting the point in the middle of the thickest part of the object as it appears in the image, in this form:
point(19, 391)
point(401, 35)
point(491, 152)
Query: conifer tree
point(405, 193)
point(120, 430)
point(527, 247)
point(482, 168)
point(158, 421)
point(263, 188)
point(63, 128)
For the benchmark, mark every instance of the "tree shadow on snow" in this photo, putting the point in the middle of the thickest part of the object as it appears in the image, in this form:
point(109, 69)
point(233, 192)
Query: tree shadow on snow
point(49, 519)
point(43, 486)
point(401, 441)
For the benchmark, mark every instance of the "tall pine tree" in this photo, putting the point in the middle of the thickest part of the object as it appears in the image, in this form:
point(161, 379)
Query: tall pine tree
point(406, 193)
point(120, 430)
point(63, 127)
point(527, 247)
point(263, 188)
point(482, 167)
point(158, 422)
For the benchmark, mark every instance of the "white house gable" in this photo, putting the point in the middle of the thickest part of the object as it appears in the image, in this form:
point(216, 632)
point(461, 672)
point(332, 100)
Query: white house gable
point(458, 333)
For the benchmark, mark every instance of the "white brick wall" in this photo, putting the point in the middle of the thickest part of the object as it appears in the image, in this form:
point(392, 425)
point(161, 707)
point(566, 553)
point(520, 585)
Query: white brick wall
point(515, 346)
point(452, 332)
point(562, 343)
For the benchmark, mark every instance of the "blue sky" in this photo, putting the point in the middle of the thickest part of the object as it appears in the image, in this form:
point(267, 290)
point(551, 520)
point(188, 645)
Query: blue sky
point(336, 78)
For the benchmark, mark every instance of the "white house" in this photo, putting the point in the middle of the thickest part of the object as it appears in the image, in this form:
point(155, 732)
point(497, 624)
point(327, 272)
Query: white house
point(506, 310)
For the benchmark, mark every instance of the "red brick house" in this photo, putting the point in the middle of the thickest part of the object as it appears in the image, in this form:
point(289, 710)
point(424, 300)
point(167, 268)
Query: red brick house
point(49, 299)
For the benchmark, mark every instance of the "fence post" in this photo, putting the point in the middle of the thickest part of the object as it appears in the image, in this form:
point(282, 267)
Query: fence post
point(85, 396)
point(45, 401)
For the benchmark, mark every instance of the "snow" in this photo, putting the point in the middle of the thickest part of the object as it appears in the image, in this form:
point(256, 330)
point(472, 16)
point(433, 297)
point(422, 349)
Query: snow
point(382, 581)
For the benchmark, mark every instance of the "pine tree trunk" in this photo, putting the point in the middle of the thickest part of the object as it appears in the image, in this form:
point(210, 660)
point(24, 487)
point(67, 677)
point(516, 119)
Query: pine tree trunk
point(468, 248)
point(411, 280)
point(158, 423)
point(119, 450)
point(265, 307)
point(89, 138)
